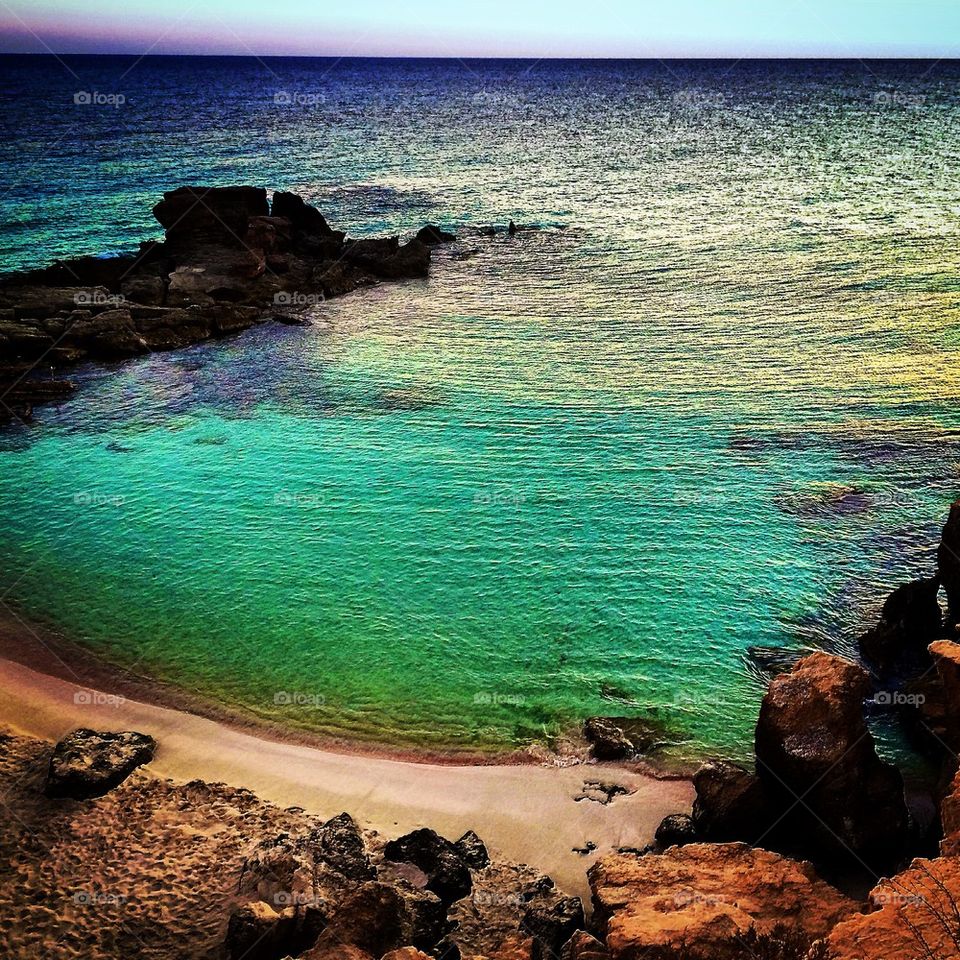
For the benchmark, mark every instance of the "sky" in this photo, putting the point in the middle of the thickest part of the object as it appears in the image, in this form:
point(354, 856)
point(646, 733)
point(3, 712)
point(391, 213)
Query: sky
point(496, 28)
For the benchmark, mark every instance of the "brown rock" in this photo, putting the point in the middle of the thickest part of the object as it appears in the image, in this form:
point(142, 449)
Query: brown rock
point(912, 916)
point(819, 765)
point(950, 816)
point(731, 804)
point(703, 897)
point(607, 740)
point(406, 953)
point(946, 656)
point(581, 946)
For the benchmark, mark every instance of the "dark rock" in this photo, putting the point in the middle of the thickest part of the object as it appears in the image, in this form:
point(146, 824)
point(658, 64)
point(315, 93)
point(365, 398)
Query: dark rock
point(378, 918)
point(676, 830)
point(87, 764)
point(812, 743)
point(552, 926)
point(288, 320)
point(910, 621)
point(388, 259)
point(731, 804)
point(472, 851)
point(218, 214)
point(448, 875)
point(948, 563)
point(608, 741)
point(339, 844)
point(257, 931)
point(431, 235)
point(301, 215)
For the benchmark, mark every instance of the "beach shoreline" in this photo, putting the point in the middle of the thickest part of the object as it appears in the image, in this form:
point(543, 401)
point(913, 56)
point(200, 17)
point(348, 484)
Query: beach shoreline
point(506, 803)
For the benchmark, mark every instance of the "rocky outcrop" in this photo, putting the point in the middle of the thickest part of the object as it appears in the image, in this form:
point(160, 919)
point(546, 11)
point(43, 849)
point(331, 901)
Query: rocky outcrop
point(946, 656)
point(910, 621)
point(731, 804)
point(227, 262)
point(446, 870)
point(582, 946)
point(431, 235)
point(703, 898)
point(259, 931)
point(87, 764)
point(819, 766)
point(912, 916)
point(472, 851)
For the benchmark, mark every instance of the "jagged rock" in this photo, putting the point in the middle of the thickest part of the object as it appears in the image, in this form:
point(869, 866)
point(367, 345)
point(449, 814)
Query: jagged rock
point(731, 804)
point(581, 946)
point(676, 830)
point(607, 741)
point(910, 621)
point(912, 916)
point(448, 875)
point(552, 926)
point(218, 214)
point(812, 743)
point(87, 764)
point(406, 953)
point(378, 918)
point(702, 896)
point(431, 235)
point(339, 844)
point(472, 851)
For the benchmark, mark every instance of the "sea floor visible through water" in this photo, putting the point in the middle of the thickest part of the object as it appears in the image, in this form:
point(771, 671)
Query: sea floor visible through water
point(708, 409)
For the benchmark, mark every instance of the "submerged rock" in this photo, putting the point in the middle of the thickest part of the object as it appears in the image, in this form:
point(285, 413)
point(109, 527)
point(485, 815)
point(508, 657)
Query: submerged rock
point(607, 740)
point(432, 235)
point(87, 764)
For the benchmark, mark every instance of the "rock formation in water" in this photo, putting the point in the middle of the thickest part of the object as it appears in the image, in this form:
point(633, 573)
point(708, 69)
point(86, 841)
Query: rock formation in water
point(228, 261)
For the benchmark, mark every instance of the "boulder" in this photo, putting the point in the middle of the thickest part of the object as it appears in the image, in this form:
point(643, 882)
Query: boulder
point(210, 214)
point(676, 830)
point(87, 763)
point(607, 741)
point(378, 918)
point(339, 844)
point(432, 235)
point(910, 621)
point(702, 898)
point(948, 563)
point(472, 851)
point(448, 875)
point(302, 216)
point(552, 926)
point(258, 931)
point(731, 804)
point(912, 916)
point(819, 766)
point(406, 953)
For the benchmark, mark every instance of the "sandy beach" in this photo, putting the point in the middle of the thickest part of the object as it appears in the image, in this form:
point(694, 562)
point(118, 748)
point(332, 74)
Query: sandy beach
point(508, 805)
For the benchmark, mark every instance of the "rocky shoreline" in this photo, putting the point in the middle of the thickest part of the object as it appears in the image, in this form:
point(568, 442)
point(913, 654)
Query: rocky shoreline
point(231, 258)
point(815, 854)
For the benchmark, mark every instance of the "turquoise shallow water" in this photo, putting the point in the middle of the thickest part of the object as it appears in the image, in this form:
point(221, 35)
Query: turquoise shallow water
point(579, 472)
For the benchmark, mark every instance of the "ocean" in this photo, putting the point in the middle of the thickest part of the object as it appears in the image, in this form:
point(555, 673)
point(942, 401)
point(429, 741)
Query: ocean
point(709, 407)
